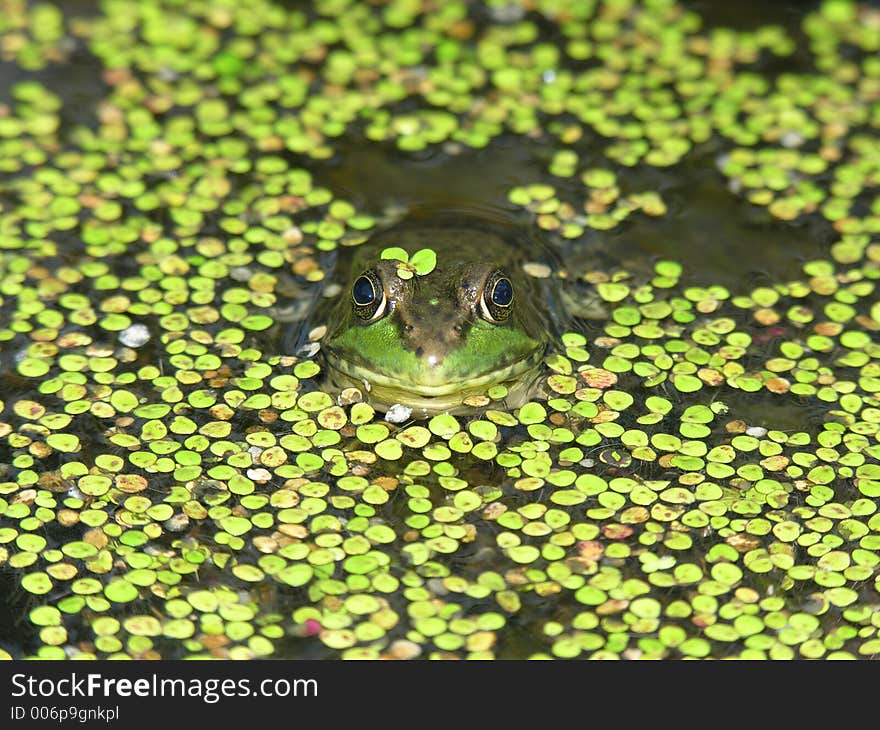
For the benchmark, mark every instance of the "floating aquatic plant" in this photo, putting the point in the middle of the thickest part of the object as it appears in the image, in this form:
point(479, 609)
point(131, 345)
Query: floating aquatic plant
point(177, 484)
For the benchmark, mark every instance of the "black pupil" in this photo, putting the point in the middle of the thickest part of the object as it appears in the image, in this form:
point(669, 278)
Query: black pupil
point(362, 291)
point(502, 294)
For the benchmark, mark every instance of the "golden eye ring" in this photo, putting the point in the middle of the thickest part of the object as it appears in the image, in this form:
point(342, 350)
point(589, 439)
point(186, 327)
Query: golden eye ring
point(497, 298)
point(368, 297)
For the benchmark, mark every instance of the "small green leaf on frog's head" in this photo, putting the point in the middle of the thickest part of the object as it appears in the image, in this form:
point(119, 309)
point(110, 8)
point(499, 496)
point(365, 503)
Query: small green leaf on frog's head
point(396, 253)
point(424, 261)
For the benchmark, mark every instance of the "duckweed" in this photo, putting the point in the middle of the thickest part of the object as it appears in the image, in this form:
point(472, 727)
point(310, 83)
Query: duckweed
point(697, 473)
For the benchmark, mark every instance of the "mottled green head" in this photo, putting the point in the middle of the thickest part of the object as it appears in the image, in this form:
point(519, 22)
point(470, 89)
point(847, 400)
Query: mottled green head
point(428, 341)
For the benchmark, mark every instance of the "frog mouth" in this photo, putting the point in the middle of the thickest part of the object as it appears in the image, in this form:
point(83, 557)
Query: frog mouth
point(429, 397)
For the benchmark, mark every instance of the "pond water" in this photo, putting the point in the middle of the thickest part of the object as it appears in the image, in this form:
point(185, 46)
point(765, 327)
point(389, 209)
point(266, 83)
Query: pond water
point(697, 475)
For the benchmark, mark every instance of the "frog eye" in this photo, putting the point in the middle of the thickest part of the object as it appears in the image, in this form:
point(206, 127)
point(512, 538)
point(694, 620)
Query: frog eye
point(497, 297)
point(368, 296)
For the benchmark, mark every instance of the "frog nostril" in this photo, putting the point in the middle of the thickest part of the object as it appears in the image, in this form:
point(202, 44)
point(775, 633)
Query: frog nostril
point(420, 351)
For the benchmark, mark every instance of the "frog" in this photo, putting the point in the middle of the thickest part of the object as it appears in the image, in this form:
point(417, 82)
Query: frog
point(437, 342)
